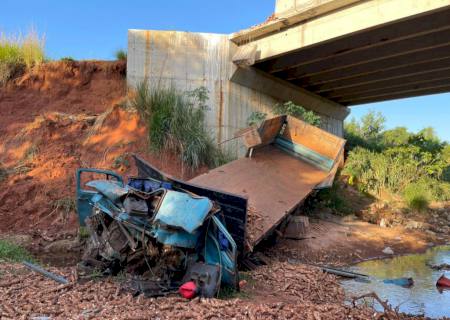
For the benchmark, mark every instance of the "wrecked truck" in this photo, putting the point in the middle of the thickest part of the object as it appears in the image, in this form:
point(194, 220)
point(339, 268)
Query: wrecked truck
point(174, 231)
point(152, 228)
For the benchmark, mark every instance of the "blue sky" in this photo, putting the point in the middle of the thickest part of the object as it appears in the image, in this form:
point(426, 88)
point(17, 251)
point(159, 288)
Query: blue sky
point(95, 29)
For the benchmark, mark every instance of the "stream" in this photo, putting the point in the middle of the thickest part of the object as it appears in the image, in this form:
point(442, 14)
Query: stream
point(423, 298)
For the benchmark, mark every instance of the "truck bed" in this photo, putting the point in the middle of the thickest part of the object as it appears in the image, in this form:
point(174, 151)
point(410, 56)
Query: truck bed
point(274, 182)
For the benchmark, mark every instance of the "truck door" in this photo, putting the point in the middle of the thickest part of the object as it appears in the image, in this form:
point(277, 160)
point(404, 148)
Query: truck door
point(84, 193)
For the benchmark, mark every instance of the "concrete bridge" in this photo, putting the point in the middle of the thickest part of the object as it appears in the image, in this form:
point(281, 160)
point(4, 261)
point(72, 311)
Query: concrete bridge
point(323, 54)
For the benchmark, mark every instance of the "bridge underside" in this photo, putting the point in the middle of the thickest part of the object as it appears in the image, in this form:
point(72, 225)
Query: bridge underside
point(405, 58)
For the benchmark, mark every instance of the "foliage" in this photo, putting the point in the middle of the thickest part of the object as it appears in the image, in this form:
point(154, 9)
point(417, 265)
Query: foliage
point(367, 133)
point(18, 53)
point(120, 161)
point(297, 111)
point(12, 252)
point(176, 122)
point(120, 54)
point(397, 161)
point(417, 197)
point(256, 118)
point(289, 108)
point(395, 137)
point(67, 59)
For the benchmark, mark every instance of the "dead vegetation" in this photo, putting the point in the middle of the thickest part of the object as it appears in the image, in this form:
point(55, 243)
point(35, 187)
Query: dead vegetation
point(105, 299)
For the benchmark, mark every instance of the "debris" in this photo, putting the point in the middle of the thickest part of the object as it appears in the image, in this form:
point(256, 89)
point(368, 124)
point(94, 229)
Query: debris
point(388, 250)
point(45, 273)
point(443, 281)
point(297, 228)
point(389, 313)
point(443, 266)
point(189, 290)
point(402, 282)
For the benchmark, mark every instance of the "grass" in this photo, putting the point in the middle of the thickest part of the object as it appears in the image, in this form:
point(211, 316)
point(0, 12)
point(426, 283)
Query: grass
point(65, 206)
point(13, 253)
point(417, 197)
point(120, 54)
point(176, 123)
point(18, 53)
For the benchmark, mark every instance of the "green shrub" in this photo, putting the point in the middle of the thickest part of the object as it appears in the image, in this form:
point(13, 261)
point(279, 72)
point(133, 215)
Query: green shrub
point(18, 53)
point(67, 59)
point(12, 252)
point(297, 111)
point(176, 122)
point(121, 54)
point(417, 196)
point(256, 118)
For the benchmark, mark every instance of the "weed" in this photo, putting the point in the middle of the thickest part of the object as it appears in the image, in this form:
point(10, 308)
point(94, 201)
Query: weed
point(31, 153)
point(121, 161)
point(297, 111)
point(12, 252)
point(67, 59)
point(65, 206)
point(83, 233)
point(417, 196)
point(120, 54)
point(256, 118)
point(3, 173)
point(176, 123)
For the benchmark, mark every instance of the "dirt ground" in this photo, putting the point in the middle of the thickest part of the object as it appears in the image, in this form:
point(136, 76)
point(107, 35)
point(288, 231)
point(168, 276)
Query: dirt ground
point(66, 115)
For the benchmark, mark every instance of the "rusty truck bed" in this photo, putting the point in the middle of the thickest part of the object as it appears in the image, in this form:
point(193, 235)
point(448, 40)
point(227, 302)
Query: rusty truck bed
point(273, 181)
point(287, 159)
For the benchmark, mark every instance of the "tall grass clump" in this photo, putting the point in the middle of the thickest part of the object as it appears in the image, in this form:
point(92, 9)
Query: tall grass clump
point(18, 52)
point(417, 196)
point(176, 123)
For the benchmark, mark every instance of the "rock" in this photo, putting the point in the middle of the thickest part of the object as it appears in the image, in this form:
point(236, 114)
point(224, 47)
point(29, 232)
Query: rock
point(431, 233)
point(388, 250)
point(414, 225)
point(383, 223)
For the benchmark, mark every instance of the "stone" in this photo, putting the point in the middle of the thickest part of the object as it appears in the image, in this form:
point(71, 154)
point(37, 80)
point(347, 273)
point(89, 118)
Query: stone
point(388, 250)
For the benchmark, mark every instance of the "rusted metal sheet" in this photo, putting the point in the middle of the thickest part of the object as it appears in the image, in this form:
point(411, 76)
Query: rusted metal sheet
point(274, 182)
point(277, 178)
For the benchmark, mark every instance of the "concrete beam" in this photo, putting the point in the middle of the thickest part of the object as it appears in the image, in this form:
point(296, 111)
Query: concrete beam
point(416, 93)
point(288, 16)
point(435, 43)
point(285, 91)
point(404, 88)
point(391, 63)
point(407, 71)
point(393, 83)
point(351, 19)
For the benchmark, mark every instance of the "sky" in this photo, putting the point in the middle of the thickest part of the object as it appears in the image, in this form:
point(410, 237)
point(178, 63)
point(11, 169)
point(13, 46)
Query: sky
point(95, 29)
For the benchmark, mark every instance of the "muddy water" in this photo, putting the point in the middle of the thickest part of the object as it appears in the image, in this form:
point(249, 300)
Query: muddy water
point(423, 298)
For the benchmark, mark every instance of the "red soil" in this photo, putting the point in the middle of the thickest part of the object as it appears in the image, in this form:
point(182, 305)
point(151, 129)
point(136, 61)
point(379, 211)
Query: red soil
point(53, 120)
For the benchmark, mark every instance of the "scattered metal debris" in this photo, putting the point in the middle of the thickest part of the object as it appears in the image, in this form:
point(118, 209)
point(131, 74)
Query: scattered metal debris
point(45, 273)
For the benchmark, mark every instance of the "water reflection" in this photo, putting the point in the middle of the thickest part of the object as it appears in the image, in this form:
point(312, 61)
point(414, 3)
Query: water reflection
point(422, 298)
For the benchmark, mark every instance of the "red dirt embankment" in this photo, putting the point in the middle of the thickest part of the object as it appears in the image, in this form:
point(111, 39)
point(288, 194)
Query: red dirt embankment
point(54, 119)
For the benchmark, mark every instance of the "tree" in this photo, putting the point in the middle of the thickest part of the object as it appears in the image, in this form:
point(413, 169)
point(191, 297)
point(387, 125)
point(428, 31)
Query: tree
point(396, 137)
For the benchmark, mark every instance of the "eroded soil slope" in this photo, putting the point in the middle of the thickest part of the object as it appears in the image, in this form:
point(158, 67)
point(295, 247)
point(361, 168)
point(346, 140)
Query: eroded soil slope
point(53, 120)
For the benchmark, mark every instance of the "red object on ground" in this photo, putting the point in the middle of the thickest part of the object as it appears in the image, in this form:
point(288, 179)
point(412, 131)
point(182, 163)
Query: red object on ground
point(188, 290)
point(443, 282)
